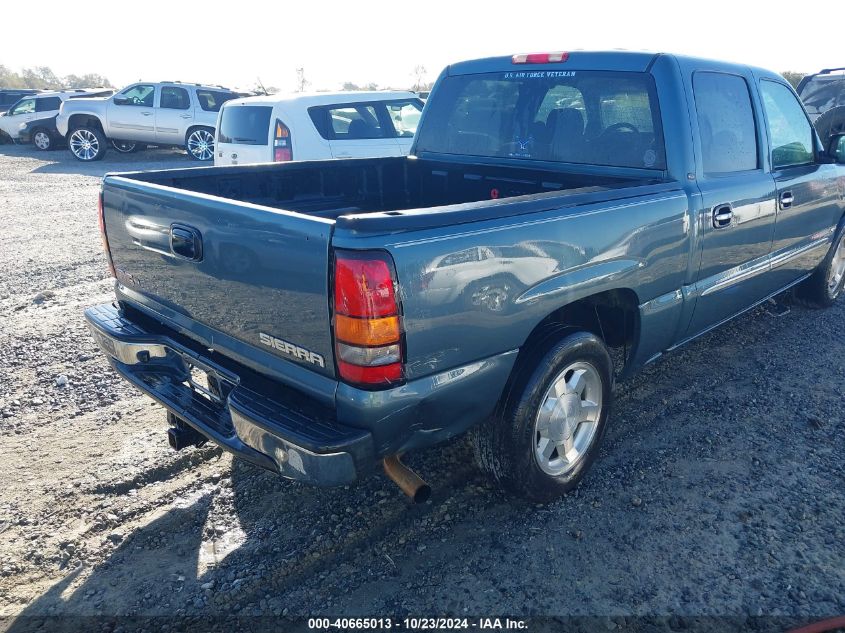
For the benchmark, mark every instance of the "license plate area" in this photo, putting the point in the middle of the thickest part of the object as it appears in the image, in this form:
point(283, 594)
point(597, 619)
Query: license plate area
point(207, 383)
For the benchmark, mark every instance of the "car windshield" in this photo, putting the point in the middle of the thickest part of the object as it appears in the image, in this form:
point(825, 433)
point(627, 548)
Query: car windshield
point(588, 117)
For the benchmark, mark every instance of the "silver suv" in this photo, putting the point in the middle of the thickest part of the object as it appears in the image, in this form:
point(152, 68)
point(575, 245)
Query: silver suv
point(168, 113)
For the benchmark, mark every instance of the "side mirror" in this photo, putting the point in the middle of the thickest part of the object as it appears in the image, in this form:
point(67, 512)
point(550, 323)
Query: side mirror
point(836, 148)
point(120, 101)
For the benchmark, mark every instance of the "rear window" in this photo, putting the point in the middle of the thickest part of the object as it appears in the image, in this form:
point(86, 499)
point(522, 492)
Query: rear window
point(586, 117)
point(212, 100)
point(245, 124)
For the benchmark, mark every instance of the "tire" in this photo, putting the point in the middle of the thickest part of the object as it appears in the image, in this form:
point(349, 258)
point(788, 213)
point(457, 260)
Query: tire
point(199, 143)
point(87, 144)
point(823, 287)
point(560, 396)
point(41, 139)
point(124, 147)
point(830, 123)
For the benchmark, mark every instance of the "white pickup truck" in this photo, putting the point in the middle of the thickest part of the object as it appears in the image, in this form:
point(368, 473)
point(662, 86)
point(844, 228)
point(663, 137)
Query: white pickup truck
point(164, 113)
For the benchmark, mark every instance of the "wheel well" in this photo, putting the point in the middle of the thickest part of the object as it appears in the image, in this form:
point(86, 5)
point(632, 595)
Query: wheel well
point(613, 316)
point(199, 127)
point(84, 120)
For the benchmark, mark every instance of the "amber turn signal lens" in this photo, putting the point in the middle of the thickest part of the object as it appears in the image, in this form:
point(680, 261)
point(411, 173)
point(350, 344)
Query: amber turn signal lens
point(367, 332)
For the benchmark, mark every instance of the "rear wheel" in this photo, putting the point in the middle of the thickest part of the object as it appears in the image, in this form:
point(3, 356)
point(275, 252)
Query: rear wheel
point(87, 144)
point(199, 143)
point(42, 140)
point(547, 434)
point(823, 288)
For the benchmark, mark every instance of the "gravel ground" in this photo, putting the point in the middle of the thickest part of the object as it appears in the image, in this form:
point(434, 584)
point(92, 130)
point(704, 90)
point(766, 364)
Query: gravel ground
point(719, 491)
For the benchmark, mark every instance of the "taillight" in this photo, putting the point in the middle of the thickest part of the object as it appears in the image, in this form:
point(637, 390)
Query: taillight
point(282, 148)
point(367, 322)
point(102, 220)
point(540, 58)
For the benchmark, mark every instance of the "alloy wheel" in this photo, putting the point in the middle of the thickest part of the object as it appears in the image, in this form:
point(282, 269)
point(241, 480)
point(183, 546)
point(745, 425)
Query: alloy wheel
point(201, 144)
point(568, 419)
point(84, 144)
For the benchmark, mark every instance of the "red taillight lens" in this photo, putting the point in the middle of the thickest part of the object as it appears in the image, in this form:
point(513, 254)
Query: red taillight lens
point(102, 221)
point(363, 288)
point(282, 145)
point(367, 323)
point(540, 58)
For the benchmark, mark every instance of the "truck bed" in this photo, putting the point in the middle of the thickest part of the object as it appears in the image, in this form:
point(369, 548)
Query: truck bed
point(330, 189)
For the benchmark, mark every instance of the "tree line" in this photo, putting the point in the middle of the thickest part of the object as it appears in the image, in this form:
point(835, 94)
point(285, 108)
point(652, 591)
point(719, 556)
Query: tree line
point(44, 78)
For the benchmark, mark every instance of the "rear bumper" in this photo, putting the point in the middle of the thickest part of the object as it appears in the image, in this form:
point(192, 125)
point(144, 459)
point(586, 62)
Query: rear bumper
point(280, 428)
point(294, 438)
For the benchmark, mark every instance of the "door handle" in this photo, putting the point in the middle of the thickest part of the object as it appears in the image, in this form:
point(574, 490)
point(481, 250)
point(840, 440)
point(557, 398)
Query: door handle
point(185, 116)
point(786, 199)
point(722, 216)
point(185, 242)
point(146, 114)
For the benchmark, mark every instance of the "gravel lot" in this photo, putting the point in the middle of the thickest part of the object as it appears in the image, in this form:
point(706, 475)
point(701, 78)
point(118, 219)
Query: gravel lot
point(720, 490)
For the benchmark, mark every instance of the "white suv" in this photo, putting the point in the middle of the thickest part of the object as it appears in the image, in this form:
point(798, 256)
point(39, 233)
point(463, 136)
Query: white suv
point(31, 117)
point(166, 113)
point(279, 128)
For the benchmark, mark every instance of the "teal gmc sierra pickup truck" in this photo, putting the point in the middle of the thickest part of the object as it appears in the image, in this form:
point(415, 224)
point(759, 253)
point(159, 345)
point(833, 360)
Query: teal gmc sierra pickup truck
point(557, 211)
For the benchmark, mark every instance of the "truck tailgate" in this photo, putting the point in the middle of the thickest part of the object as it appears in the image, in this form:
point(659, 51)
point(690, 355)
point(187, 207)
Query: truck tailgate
point(236, 276)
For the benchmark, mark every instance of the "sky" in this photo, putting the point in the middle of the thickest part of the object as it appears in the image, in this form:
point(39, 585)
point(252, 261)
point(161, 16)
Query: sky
point(234, 43)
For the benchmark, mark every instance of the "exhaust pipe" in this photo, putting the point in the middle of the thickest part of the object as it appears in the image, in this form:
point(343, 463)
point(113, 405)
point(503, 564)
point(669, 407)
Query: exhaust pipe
point(409, 481)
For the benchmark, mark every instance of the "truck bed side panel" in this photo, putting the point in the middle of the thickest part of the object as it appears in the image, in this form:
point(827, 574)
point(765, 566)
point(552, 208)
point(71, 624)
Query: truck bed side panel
point(480, 288)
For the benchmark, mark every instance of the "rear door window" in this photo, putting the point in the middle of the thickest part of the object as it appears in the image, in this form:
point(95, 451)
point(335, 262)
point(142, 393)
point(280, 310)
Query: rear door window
point(726, 125)
point(47, 104)
point(355, 122)
point(174, 98)
point(245, 124)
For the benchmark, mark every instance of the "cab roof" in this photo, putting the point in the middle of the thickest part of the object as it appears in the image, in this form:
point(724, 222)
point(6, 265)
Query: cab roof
point(614, 60)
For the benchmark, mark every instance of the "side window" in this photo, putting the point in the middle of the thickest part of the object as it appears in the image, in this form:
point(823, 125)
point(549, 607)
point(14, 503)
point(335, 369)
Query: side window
point(355, 122)
point(725, 123)
point(47, 104)
point(137, 96)
point(790, 132)
point(174, 98)
point(26, 106)
point(213, 100)
point(405, 116)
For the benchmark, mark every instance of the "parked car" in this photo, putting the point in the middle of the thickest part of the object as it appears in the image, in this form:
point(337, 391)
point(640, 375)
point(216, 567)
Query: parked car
point(823, 95)
point(165, 114)
point(10, 96)
point(32, 118)
point(311, 126)
point(629, 201)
